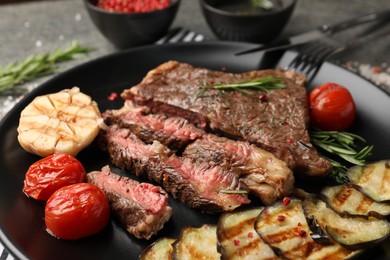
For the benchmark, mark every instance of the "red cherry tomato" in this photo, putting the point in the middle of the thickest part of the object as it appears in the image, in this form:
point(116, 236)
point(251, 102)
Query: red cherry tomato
point(49, 174)
point(331, 107)
point(76, 211)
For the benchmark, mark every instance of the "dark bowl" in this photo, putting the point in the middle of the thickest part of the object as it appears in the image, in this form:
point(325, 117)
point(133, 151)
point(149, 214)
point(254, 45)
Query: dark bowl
point(228, 23)
point(135, 29)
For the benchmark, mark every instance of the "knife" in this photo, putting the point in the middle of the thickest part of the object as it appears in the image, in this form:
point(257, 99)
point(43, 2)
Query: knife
point(323, 31)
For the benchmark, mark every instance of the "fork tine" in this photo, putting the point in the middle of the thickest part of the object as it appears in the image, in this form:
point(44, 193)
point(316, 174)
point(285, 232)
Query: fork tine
point(302, 58)
point(179, 36)
point(169, 35)
point(312, 55)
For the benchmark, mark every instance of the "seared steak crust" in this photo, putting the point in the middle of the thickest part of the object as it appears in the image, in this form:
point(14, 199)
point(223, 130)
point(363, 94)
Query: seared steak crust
point(197, 185)
point(266, 176)
point(141, 207)
point(277, 123)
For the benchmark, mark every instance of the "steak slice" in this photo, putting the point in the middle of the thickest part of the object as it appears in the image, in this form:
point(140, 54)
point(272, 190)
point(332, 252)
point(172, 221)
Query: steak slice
point(197, 185)
point(266, 176)
point(141, 207)
point(276, 121)
point(173, 132)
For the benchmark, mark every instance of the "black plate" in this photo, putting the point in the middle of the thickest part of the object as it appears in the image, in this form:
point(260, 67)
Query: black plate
point(22, 224)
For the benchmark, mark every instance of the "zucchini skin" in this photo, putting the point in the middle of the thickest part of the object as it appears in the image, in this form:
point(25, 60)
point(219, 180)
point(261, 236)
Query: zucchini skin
point(290, 236)
point(347, 201)
point(353, 233)
point(372, 179)
point(160, 249)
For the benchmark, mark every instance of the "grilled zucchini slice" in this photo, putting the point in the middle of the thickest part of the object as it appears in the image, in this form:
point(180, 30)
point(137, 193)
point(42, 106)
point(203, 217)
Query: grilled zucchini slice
point(238, 239)
point(351, 232)
point(372, 179)
point(196, 243)
point(285, 229)
point(160, 249)
point(346, 200)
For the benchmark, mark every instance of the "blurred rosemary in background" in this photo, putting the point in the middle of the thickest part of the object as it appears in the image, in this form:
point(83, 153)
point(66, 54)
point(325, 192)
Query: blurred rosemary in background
point(37, 66)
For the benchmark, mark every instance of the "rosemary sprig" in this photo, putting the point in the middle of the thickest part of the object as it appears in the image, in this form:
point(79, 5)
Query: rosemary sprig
point(264, 84)
point(343, 145)
point(233, 191)
point(265, 4)
point(37, 66)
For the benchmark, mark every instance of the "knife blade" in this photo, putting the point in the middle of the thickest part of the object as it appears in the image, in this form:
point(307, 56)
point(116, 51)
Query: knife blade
point(323, 31)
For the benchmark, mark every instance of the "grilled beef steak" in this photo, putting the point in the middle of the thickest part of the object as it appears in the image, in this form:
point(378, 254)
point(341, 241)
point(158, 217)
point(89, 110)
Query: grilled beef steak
point(276, 121)
point(174, 132)
point(141, 207)
point(266, 176)
point(197, 185)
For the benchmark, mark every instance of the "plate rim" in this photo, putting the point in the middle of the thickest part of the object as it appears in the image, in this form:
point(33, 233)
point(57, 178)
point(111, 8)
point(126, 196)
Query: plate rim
point(7, 240)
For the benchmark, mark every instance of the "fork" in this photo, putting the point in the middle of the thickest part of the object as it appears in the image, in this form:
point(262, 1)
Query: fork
point(313, 54)
point(180, 35)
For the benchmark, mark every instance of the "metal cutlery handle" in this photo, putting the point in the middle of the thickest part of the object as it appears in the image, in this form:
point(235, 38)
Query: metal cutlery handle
point(376, 16)
point(382, 30)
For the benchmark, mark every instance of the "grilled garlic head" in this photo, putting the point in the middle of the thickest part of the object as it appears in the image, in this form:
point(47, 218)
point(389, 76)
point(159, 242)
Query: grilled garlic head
point(66, 121)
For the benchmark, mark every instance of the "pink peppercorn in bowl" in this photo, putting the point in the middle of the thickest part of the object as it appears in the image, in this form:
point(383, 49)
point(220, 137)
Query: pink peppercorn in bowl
point(133, 25)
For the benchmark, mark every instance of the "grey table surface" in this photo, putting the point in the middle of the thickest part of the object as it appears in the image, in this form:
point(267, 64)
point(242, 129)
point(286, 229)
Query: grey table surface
point(40, 26)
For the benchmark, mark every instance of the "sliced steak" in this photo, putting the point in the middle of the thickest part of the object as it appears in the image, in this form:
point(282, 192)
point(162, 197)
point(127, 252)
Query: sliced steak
point(141, 207)
point(174, 132)
point(276, 121)
point(197, 185)
point(266, 176)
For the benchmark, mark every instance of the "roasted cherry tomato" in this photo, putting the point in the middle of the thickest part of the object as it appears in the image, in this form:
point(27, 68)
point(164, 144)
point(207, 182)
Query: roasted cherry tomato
point(331, 107)
point(76, 211)
point(51, 173)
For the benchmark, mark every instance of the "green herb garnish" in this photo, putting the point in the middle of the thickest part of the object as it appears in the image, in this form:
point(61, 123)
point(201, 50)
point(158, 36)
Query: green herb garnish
point(264, 84)
point(233, 191)
point(343, 145)
point(265, 4)
point(37, 66)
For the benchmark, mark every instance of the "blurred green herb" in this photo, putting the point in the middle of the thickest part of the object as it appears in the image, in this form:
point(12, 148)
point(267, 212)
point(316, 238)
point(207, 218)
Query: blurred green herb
point(265, 4)
point(37, 66)
point(343, 145)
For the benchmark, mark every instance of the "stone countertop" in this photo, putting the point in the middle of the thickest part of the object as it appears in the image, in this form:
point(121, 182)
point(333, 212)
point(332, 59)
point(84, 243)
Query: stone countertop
point(39, 26)
point(36, 27)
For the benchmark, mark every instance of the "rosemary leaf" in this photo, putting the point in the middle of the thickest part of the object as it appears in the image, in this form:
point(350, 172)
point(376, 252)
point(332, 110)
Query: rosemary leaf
point(339, 150)
point(351, 159)
point(233, 191)
point(263, 84)
point(366, 151)
point(36, 66)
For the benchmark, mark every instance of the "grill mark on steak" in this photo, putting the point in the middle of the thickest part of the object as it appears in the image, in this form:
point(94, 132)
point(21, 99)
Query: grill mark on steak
point(173, 132)
point(266, 176)
point(277, 125)
point(141, 207)
point(197, 185)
